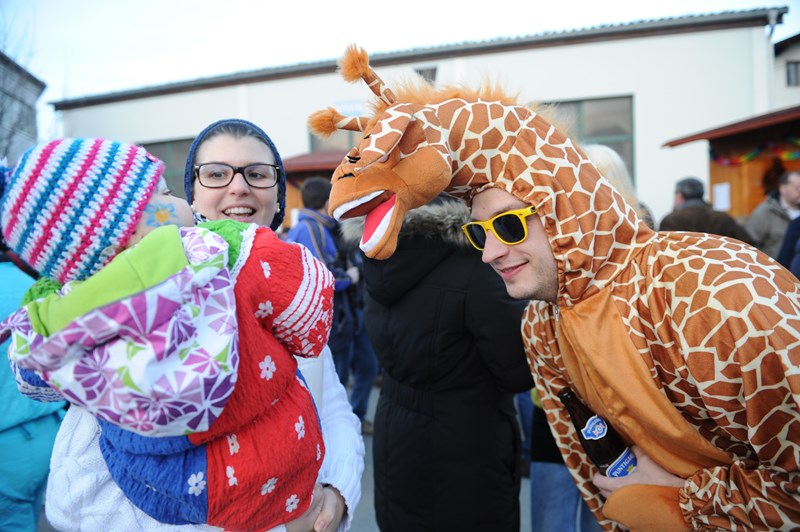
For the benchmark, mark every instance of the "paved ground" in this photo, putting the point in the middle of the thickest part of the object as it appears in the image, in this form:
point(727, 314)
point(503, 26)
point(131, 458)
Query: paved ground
point(364, 520)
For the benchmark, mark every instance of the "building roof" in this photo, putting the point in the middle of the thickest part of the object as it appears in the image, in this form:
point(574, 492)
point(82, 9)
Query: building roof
point(772, 118)
point(19, 69)
point(785, 44)
point(318, 161)
point(642, 28)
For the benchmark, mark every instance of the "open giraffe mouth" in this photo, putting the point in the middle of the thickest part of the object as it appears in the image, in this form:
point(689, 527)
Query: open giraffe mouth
point(378, 208)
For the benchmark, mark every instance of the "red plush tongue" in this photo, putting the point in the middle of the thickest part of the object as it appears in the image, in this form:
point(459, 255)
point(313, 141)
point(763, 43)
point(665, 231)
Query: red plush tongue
point(375, 216)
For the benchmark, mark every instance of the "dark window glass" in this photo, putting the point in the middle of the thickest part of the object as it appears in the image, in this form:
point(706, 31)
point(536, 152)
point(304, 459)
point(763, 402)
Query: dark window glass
point(173, 153)
point(607, 121)
point(340, 140)
point(428, 74)
point(793, 73)
point(607, 117)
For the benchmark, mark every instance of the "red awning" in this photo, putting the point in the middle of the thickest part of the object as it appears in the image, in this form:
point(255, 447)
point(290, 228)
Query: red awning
point(323, 161)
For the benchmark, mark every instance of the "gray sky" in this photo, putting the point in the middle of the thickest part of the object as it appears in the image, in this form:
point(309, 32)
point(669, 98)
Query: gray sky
point(86, 47)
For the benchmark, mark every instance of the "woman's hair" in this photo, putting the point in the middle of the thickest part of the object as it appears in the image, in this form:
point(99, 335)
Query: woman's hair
point(612, 167)
point(236, 128)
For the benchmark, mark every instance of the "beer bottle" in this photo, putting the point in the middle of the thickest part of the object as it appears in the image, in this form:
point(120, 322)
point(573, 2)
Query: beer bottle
point(604, 445)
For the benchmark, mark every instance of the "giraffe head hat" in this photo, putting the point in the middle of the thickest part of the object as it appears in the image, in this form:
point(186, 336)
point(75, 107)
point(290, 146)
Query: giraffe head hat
point(421, 141)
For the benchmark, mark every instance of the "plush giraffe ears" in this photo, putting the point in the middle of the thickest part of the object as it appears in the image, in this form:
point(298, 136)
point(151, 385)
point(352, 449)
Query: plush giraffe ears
point(353, 66)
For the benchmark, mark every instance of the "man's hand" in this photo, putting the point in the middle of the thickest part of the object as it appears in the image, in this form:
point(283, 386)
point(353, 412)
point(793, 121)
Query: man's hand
point(647, 472)
point(325, 513)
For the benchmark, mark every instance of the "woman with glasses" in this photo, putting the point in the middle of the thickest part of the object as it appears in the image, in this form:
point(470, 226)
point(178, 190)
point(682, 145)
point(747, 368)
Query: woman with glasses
point(233, 171)
point(446, 442)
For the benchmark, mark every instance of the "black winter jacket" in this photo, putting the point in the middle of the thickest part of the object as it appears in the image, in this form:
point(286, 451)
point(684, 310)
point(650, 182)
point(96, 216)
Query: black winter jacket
point(698, 216)
point(446, 442)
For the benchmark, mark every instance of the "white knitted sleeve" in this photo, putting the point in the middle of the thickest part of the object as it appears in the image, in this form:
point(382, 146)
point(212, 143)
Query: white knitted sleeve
point(341, 431)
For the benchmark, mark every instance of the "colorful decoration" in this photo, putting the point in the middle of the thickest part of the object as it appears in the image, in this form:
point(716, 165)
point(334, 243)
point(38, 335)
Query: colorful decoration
point(783, 153)
point(736, 161)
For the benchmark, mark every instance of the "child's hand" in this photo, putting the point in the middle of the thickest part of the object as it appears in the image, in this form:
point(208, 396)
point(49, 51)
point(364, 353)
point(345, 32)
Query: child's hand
point(332, 512)
point(324, 514)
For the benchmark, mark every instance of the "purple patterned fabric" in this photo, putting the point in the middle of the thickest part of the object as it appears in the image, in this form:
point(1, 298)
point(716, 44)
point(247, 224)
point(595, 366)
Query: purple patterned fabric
point(162, 362)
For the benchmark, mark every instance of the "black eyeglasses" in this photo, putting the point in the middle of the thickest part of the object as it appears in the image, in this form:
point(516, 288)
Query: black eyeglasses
point(509, 227)
point(218, 175)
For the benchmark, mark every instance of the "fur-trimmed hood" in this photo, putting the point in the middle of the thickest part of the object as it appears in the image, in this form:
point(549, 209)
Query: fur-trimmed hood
point(440, 219)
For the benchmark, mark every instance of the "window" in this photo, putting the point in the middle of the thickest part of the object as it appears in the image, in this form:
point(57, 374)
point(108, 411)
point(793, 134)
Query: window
point(340, 140)
point(793, 73)
point(428, 74)
point(607, 121)
point(173, 153)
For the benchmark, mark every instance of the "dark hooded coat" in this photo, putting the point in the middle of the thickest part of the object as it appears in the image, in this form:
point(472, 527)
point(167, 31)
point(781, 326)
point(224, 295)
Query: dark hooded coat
point(446, 440)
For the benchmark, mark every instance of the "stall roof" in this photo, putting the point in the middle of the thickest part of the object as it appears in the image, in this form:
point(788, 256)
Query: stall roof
point(750, 124)
point(318, 161)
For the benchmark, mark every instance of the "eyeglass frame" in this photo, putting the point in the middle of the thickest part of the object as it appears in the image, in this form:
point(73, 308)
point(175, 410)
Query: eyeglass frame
point(488, 226)
point(238, 170)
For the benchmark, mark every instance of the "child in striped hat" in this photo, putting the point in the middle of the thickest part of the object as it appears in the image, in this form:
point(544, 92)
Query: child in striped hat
point(179, 340)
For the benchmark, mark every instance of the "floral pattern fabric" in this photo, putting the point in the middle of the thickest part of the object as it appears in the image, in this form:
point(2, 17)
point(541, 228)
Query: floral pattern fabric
point(162, 362)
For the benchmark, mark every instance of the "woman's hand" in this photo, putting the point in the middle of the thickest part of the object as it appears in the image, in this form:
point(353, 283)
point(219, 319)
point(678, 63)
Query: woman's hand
point(325, 513)
point(647, 472)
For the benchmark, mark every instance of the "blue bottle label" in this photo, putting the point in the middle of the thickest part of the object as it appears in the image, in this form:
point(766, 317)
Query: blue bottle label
point(622, 466)
point(595, 428)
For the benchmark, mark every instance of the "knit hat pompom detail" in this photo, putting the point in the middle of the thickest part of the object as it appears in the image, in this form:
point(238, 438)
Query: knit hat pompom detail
point(71, 205)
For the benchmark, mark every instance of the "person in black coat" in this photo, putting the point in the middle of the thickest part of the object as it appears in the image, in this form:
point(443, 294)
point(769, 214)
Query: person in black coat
point(789, 256)
point(446, 444)
point(693, 214)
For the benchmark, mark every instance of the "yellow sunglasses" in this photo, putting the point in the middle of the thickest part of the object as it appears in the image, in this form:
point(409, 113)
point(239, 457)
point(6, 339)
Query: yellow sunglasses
point(509, 227)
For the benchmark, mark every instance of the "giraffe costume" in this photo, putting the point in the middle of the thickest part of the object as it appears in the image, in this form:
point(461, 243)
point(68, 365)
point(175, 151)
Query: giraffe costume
point(687, 343)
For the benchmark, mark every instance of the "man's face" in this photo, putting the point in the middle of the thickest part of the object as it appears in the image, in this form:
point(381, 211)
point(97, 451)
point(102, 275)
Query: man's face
point(678, 199)
point(790, 192)
point(528, 268)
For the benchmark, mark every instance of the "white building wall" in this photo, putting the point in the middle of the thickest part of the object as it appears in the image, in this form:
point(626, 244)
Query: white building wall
point(680, 84)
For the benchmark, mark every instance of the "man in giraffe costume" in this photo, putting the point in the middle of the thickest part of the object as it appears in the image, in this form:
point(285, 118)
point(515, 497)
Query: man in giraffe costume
point(687, 343)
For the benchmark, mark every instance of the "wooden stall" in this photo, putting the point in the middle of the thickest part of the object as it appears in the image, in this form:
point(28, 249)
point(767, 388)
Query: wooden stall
point(301, 167)
point(746, 157)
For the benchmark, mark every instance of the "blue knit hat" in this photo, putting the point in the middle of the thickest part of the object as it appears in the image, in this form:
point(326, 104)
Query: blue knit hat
point(210, 131)
point(70, 205)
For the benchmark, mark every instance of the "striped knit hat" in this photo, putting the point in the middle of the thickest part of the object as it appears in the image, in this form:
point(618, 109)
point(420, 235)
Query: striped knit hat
point(70, 205)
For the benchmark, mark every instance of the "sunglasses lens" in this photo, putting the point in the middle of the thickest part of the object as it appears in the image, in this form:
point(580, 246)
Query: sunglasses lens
point(509, 228)
point(477, 235)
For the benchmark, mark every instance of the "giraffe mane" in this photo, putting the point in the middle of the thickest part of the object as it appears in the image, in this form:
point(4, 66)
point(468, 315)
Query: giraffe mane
point(419, 91)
